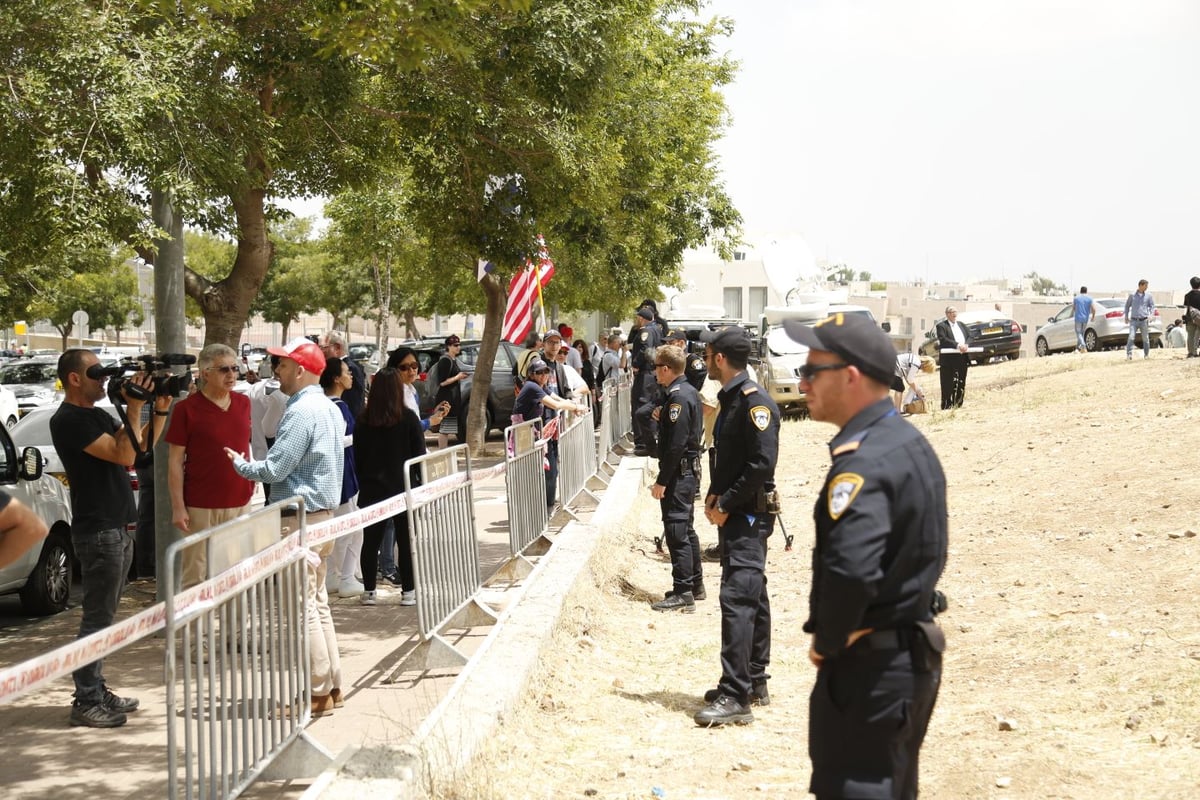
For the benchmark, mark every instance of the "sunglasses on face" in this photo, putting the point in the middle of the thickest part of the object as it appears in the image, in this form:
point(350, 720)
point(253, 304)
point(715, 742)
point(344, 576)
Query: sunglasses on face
point(224, 370)
point(809, 371)
point(408, 366)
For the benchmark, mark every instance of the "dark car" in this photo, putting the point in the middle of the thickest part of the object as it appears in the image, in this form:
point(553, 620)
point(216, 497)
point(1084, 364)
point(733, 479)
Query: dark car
point(998, 335)
point(501, 395)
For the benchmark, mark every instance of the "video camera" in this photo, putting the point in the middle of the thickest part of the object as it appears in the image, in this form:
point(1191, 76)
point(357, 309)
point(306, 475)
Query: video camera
point(165, 382)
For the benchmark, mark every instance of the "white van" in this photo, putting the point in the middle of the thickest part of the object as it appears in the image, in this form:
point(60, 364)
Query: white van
point(782, 356)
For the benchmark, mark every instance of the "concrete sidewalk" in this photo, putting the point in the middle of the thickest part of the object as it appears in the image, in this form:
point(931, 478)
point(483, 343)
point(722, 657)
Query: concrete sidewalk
point(44, 757)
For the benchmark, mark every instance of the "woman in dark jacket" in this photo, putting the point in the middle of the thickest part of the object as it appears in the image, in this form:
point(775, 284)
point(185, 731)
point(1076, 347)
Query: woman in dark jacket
point(448, 374)
point(388, 433)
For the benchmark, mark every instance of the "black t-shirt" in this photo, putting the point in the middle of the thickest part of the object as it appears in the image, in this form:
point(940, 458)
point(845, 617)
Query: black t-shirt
point(101, 498)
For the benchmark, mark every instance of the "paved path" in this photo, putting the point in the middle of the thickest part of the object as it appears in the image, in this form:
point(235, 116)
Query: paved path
point(43, 757)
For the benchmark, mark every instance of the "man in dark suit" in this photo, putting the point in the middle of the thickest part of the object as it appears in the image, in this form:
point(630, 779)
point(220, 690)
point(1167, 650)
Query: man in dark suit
point(953, 340)
point(335, 347)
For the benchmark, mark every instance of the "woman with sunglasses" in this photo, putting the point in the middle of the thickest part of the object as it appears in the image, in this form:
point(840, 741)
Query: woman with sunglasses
point(449, 375)
point(404, 360)
point(387, 435)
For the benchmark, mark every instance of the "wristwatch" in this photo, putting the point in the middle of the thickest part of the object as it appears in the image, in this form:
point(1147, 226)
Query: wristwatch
point(720, 509)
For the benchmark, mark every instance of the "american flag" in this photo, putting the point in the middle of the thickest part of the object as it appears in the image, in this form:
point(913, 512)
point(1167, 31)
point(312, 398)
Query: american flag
point(523, 292)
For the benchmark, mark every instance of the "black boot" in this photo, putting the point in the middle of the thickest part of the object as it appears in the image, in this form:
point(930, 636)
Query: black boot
point(759, 696)
point(698, 592)
point(682, 601)
point(722, 711)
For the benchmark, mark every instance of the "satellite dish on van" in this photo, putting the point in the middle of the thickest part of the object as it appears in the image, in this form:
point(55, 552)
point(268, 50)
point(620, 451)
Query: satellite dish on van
point(787, 263)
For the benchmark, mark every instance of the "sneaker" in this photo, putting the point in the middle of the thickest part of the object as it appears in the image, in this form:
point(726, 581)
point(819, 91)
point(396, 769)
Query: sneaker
point(392, 578)
point(677, 602)
point(759, 696)
point(336, 696)
point(712, 553)
point(368, 599)
point(331, 585)
point(722, 711)
point(125, 705)
point(408, 598)
point(96, 715)
point(349, 588)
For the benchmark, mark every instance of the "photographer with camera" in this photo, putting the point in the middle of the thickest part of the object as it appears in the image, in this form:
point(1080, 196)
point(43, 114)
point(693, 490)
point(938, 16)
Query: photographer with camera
point(96, 452)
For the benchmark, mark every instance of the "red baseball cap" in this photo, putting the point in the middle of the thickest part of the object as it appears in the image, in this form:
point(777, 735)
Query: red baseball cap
point(304, 352)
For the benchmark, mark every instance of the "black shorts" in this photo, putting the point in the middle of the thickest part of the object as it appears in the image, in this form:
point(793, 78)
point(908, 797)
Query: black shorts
point(897, 383)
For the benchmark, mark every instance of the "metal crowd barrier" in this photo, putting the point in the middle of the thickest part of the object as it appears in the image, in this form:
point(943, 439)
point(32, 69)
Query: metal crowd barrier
point(445, 553)
point(525, 489)
point(576, 457)
point(237, 664)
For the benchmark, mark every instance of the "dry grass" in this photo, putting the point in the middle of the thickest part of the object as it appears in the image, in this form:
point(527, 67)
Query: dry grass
point(1073, 616)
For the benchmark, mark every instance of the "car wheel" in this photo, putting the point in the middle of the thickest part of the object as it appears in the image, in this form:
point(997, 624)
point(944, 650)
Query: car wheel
point(1090, 341)
point(1043, 349)
point(1014, 356)
point(49, 586)
point(491, 421)
point(11, 423)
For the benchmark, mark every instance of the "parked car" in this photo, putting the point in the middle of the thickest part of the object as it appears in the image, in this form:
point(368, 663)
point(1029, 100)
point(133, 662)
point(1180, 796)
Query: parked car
point(10, 411)
point(500, 395)
point(43, 575)
point(1107, 329)
point(34, 381)
point(368, 356)
point(998, 335)
point(253, 357)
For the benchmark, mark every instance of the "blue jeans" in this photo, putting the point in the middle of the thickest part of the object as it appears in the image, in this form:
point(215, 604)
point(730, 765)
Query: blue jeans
point(551, 472)
point(1135, 325)
point(1080, 327)
point(104, 559)
point(387, 549)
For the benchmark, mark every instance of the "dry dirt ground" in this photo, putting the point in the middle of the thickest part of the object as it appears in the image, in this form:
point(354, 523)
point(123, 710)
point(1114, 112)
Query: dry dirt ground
point(1074, 640)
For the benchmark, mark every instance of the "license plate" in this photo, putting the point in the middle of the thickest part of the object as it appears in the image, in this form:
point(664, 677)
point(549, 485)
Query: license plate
point(992, 331)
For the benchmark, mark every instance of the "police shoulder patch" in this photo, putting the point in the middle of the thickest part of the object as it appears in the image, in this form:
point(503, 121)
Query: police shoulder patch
point(673, 412)
point(843, 488)
point(749, 390)
point(645, 335)
point(848, 447)
point(697, 363)
point(761, 417)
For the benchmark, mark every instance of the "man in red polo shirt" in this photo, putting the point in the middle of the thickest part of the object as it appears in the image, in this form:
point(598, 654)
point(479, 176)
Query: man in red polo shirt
point(205, 489)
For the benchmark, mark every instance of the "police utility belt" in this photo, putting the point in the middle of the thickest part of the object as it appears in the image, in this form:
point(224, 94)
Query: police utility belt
point(689, 465)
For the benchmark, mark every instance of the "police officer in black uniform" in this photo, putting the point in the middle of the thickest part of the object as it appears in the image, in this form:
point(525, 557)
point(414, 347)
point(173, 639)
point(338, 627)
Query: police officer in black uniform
point(880, 548)
point(680, 427)
point(742, 503)
point(694, 371)
point(643, 340)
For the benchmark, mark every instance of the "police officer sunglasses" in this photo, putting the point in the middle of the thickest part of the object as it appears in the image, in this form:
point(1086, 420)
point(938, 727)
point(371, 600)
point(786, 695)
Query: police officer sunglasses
point(809, 371)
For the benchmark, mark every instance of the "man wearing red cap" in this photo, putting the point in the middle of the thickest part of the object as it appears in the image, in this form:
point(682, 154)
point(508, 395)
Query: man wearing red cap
point(306, 460)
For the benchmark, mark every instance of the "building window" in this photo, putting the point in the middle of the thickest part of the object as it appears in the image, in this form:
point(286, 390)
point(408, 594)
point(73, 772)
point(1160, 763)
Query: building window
point(739, 255)
point(907, 329)
point(758, 302)
point(904, 302)
point(733, 302)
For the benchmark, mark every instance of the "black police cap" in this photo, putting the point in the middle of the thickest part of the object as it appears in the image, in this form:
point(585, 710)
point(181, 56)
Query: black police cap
point(729, 341)
point(854, 337)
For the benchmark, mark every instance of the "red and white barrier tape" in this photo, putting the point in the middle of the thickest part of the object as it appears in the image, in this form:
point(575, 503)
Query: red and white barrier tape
point(23, 678)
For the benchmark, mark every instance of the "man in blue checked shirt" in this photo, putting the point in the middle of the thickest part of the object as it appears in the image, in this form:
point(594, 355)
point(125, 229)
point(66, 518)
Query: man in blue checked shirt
point(1139, 309)
point(306, 460)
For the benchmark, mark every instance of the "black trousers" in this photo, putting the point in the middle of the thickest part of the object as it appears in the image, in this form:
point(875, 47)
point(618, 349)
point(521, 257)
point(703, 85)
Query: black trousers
point(745, 607)
point(868, 714)
point(368, 559)
point(953, 370)
point(678, 514)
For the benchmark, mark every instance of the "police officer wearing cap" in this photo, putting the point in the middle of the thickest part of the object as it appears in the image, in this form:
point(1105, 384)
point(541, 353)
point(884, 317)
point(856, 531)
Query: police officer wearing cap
point(680, 426)
point(742, 503)
point(880, 548)
point(694, 371)
point(643, 340)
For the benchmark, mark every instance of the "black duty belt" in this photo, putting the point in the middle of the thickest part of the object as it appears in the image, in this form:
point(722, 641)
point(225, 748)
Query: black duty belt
point(890, 639)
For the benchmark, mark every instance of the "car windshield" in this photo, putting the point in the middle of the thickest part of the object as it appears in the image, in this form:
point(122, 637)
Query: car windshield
point(27, 373)
point(779, 343)
point(1111, 302)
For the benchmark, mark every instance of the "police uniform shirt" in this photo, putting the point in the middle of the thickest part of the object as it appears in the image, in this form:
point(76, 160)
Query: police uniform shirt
point(695, 371)
point(643, 342)
point(881, 530)
point(680, 425)
point(746, 435)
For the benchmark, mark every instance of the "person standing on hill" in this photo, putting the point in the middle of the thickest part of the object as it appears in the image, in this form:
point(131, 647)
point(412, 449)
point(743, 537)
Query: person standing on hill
point(1085, 312)
point(954, 339)
point(880, 549)
point(1191, 300)
point(1139, 309)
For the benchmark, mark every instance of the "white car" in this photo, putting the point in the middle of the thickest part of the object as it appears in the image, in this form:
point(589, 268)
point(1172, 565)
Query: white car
point(10, 412)
point(43, 575)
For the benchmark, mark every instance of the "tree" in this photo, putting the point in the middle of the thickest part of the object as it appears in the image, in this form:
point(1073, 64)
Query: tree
point(99, 282)
point(295, 282)
point(1045, 287)
point(591, 122)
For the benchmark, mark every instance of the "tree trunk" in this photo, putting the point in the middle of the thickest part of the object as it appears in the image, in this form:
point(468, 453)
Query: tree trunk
point(410, 324)
point(226, 303)
point(383, 301)
point(286, 325)
point(65, 332)
point(481, 381)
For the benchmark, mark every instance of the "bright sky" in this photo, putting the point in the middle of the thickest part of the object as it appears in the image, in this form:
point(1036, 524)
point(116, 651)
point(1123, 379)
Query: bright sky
point(949, 140)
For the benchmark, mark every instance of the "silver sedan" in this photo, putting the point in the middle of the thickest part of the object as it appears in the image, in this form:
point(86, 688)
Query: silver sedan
point(1108, 329)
